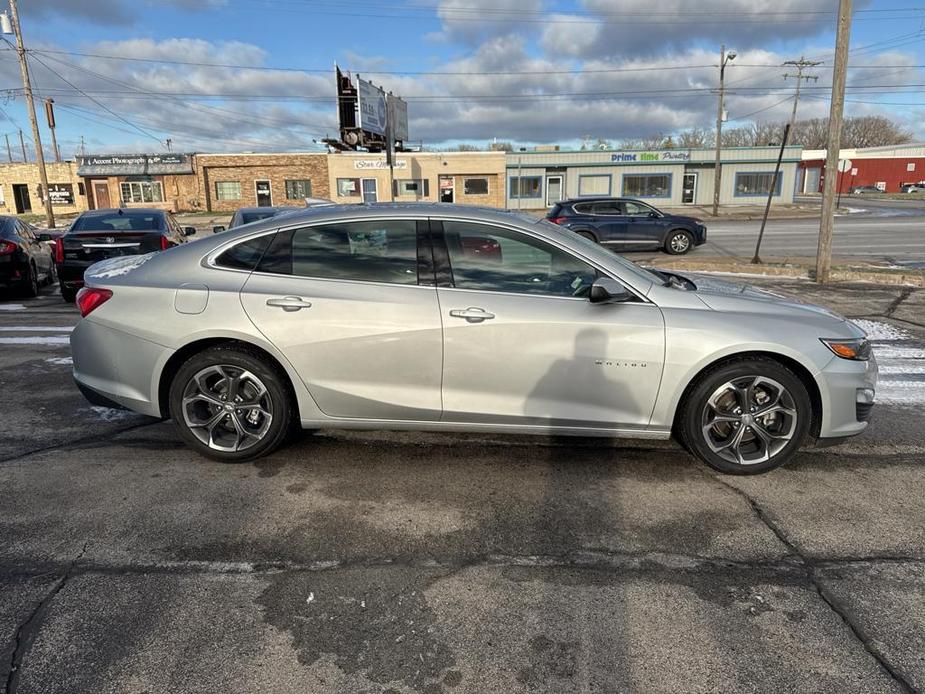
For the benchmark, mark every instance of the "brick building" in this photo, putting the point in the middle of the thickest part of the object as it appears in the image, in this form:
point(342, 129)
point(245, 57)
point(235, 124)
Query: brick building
point(468, 178)
point(21, 189)
point(230, 181)
point(165, 181)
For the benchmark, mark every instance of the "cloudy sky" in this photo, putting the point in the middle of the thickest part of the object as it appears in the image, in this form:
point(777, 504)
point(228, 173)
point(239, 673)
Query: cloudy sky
point(253, 75)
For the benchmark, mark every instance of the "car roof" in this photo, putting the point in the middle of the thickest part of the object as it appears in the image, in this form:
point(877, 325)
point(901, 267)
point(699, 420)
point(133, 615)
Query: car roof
point(599, 198)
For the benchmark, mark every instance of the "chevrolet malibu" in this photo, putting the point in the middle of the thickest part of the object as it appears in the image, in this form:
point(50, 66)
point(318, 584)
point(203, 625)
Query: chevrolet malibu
point(435, 317)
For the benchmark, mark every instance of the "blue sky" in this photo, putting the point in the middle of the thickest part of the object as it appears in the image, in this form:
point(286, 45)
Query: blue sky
point(609, 69)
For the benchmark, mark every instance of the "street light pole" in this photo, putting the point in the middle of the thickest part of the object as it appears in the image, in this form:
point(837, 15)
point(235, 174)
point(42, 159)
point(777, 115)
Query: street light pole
point(717, 175)
point(30, 106)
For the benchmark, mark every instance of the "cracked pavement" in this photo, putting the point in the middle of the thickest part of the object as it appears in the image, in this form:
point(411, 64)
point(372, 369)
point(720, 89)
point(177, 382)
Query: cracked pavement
point(386, 562)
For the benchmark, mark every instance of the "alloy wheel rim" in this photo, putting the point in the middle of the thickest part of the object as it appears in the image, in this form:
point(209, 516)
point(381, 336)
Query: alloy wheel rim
point(679, 243)
point(749, 420)
point(227, 408)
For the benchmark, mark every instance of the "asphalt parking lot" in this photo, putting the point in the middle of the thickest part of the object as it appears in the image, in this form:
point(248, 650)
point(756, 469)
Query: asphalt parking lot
point(383, 562)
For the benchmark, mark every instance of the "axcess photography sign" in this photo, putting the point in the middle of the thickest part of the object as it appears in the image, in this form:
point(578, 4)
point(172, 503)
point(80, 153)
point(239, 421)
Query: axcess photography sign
point(666, 155)
point(134, 164)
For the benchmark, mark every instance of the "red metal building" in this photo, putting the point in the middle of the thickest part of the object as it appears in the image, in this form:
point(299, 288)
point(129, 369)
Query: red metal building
point(887, 168)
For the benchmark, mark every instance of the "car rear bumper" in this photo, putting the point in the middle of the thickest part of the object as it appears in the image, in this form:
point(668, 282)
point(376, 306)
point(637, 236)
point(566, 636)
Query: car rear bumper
point(116, 367)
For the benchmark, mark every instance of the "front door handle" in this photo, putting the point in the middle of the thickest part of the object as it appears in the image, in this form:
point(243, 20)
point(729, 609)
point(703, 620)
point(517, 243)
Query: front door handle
point(473, 314)
point(289, 303)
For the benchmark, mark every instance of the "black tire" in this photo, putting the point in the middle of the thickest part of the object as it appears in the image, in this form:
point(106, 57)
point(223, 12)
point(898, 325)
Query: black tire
point(679, 242)
point(277, 400)
point(52, 275)
point(30, 287)
point(69, 295)
point(702, 428)
point(588, 235)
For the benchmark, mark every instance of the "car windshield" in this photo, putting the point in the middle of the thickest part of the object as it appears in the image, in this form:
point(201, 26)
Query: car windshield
point(120, 221)
point(641, 273)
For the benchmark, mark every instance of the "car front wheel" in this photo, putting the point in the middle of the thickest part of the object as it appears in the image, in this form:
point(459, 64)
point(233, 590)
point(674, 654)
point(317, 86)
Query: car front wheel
point(745, 417)
point(679, 242)
point(230, 405)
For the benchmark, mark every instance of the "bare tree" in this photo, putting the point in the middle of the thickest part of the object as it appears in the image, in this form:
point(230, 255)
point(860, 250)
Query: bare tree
point(501, 147)
point(695, 137)
point(465, 147)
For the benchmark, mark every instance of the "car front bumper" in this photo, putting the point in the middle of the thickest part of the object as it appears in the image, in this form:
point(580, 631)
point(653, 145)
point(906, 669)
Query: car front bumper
point(848, 398)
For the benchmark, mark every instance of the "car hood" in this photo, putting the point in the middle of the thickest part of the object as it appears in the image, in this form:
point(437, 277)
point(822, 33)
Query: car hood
point(726, 295)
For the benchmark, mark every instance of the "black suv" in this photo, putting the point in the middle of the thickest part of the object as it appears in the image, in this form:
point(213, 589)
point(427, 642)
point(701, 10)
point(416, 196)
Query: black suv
point(627, 224)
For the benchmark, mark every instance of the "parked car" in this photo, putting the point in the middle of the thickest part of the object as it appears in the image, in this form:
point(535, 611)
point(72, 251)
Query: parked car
point(99, 234)
point(628, 224)
point(861, 190)
point(912, 188)
point(25, 262)
point(246, 215)
point(439, 317)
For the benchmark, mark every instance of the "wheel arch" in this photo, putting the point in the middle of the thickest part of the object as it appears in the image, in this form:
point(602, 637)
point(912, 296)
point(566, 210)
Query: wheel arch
point(799, 369)
point(678, 227)
point(178, 358)
point(585, 230)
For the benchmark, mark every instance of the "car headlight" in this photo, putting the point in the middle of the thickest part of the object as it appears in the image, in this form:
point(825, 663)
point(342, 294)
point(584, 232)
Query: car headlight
point(857, 349)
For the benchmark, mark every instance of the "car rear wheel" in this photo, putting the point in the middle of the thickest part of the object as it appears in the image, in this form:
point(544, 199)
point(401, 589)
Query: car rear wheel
point(679, 242)
point(30, 287)
point(588, 235)
point(52, 274)
point(745, 417)
point(230, 405)
point(69, 295)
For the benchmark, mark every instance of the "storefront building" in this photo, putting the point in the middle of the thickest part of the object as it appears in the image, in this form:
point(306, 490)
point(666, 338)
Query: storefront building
point(21, 188)
point(665, 178)
point(886, 168)
point(467, 178)
point(165, 181)
point(230, 181)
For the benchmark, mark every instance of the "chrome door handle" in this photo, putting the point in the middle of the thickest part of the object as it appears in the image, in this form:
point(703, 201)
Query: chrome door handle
point(289, 303)
point(473, 314)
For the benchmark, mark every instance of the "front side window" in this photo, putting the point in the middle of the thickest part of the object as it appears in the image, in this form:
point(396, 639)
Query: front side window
point(526, 187)
point(475, 186)
point(142, 191)
point(297, 190)
point(636, 209)
point(594, 185)
point(488, 258)
point(348, 187)
point(747, 184)
point(378, 251)
point(227, 190)
point(647, 185)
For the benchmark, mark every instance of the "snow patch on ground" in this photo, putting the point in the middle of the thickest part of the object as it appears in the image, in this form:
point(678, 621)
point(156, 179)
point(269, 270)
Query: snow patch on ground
point(35, 340)
point(110, 414)
point(60, 361)
point(12, 307)
point(901, 359)
point(881, 331)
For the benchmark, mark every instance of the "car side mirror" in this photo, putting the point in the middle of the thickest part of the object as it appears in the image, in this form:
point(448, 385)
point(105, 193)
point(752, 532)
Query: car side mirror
point(189, 231)
point(45, 237)
point(217, 229)
point(606, 290)
point(654, 215)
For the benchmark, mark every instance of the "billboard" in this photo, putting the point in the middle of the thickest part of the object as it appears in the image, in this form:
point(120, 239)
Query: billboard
point(398, 118)
point(372, 107)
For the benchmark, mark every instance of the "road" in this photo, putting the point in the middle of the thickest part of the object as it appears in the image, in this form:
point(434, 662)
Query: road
point(382, 562)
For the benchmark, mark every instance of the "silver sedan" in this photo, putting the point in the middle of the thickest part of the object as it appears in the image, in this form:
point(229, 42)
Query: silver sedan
point(446, 318)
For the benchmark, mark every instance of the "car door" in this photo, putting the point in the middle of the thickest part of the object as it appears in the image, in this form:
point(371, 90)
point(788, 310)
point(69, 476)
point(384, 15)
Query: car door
point(523, 344)
point(644, 225)
point(610, 221)
point(344, 302)
point(39, 252)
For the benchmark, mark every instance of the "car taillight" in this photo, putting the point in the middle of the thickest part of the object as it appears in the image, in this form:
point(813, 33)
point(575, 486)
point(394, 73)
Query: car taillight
point(165, 243)
point(7, 247)
point(557, 220)
point(59, 250)
point(91, 298)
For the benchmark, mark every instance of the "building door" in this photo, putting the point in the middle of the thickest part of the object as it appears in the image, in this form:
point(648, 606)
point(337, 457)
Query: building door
point(370, 191)
point(264, 196)
point(553, 190)
point(101, 195)
point(447, 189)
point(21, 196)
point(689, 190)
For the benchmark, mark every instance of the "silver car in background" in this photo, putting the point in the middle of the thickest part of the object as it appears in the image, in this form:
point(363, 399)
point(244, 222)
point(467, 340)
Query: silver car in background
point(440, 317)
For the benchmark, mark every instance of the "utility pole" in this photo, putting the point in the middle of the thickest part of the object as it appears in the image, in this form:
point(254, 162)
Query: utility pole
point(718, 175)
point(30, 105)
point(9, 151)
point(800, 65)
point(82, 145)
point(50, 117)
point(22, 143)
point(827, 223)
point(169, 143)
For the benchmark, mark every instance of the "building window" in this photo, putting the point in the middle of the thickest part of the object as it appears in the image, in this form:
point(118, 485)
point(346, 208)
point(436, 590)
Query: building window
point(298, 190)
point(227, 190)
point(910, 166)
point(348, 187)
point(2, 198)
point(647, 185)
point(755, 184)
point(475, 186)
point(142, 191)
point(598, 184)
point(412, 188)
point(526, 187)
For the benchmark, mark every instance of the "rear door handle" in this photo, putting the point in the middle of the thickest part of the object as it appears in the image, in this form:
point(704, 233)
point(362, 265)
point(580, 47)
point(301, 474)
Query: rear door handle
point(473, 314)
point(289, 303)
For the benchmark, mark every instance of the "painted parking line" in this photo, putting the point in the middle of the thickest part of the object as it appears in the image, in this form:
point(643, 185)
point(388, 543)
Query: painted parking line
point(36, 340)
point(36, 328)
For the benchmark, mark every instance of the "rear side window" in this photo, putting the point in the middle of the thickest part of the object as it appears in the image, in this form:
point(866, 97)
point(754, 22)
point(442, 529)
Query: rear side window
point(582, 208)
point(378, 251)
point(245, 255)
